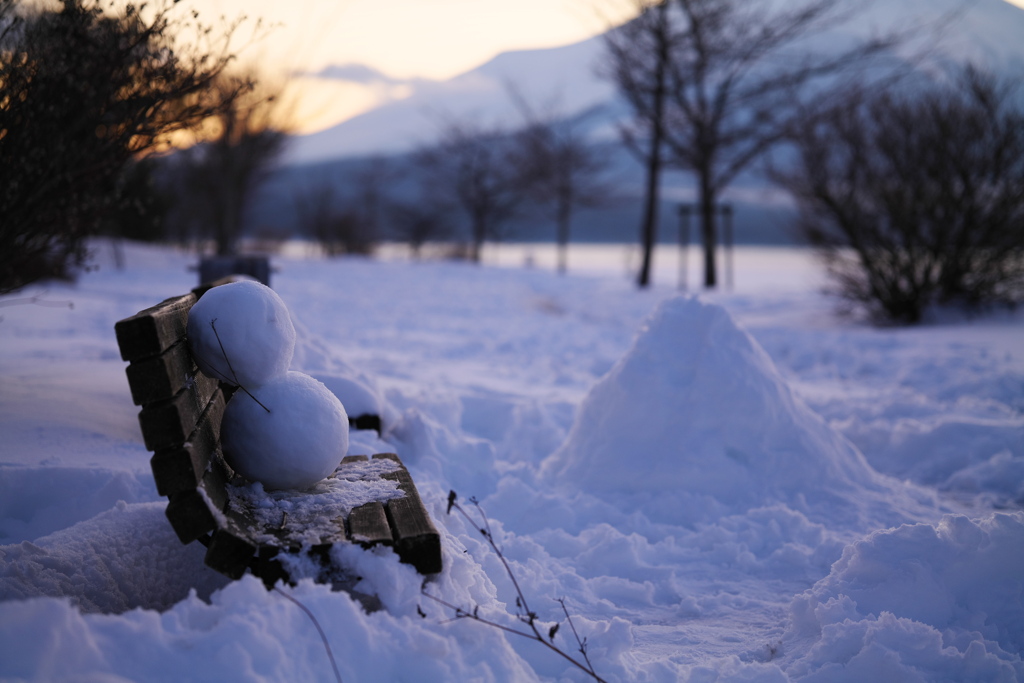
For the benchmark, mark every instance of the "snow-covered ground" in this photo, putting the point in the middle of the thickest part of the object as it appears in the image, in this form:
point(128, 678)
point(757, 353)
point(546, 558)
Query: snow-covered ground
point(734, 487)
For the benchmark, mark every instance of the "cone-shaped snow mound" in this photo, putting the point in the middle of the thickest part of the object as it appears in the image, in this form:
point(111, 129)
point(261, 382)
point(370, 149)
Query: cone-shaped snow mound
point(695, 422)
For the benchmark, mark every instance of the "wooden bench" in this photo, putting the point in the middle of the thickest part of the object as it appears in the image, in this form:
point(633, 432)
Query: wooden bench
point(180, 420)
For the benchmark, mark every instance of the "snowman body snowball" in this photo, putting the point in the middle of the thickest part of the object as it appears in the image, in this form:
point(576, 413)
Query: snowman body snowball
point(301, 440)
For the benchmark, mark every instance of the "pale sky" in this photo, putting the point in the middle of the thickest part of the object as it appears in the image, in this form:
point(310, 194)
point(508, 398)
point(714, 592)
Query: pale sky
point(404, 39)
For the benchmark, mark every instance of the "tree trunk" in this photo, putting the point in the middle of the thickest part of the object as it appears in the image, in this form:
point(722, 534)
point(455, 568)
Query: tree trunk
point(479, 232)
point(709, 237)
point(649, 225)
point(564, 221)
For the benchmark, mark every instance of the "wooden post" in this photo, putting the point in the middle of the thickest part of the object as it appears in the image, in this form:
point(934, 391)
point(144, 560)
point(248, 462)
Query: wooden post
point(684, 243)
point(727, 230)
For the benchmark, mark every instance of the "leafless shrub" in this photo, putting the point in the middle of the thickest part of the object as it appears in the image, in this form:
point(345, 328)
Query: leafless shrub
point(417, 223)
point(333, 220)
point(85, 89)
point(916, 198)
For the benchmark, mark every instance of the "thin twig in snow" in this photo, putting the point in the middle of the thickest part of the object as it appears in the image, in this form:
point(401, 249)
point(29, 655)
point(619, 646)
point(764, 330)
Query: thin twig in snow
point(524, 614)
point(323, 636)
point(38, 300)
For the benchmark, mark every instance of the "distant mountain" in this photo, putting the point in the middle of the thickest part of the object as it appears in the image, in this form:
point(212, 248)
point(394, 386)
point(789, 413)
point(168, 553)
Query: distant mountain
point(561, 77)
point(990, 32)
point(565, 78)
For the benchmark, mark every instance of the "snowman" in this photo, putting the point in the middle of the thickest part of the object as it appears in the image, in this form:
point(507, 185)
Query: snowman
point(281, 428)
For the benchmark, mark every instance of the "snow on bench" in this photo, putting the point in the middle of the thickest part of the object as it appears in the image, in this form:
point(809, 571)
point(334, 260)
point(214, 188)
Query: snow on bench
point(242, 527)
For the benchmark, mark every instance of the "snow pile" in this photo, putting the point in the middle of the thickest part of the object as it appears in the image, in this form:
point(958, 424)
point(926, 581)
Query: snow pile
point(917, 603)
point(246, 634)
point(123, 558)
point(307, 517)
point(358, 398)
point(695, 423)
point(29, 509)
point(921, 390)
point(357, 390)
point(1000, 479)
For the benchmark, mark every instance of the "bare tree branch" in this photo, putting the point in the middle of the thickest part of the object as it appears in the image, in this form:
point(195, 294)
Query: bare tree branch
point(473, 166)
point(83, 92)
point(735, 77)
point(560, 169)
point(916, 198)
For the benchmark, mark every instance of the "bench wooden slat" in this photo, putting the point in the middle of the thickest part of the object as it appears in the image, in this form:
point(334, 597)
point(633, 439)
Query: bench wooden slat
point(416, 540)
point(155, 329)
point(230, 553)
point(167, 424)
point(199, 511)
point(190, 516)
point(161, 377)
point(338, 535)
point(268, 567)
point(368, 525)
point(367, 422)
point(181, 468)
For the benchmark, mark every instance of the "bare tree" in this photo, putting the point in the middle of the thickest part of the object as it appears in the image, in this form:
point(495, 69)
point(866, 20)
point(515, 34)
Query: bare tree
point(917, 198)
point(561, 169)
point(721, 82)
point(84, 90)
point(349, 220)
point(333, 220)
point(638, 63)
point(419, 222)
point(223, 173)
point(474, 168)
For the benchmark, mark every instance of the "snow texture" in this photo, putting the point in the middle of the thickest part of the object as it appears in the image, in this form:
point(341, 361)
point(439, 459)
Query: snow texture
point(734, 487)
point(919, 603)
point(306, 517)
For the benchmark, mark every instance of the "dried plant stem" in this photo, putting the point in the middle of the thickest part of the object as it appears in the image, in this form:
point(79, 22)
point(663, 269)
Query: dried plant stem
point(582, 643)
point(234, 375)
point(37, 300)
point(323, 636)
point(524, 613)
